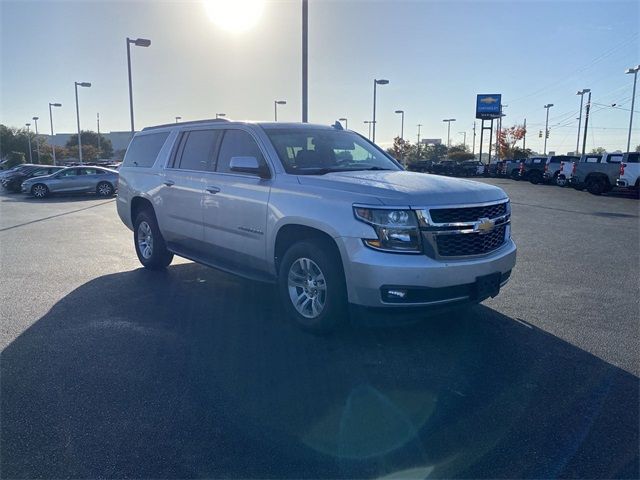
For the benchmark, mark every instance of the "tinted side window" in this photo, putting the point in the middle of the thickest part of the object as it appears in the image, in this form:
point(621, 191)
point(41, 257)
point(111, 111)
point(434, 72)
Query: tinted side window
point(592, 159)
point(90, 171)
point(197, 153)
point(614, 158)
point(633, 158)
point(237, 143)
point(144, 149)
point(41, 172)
point(72, 172)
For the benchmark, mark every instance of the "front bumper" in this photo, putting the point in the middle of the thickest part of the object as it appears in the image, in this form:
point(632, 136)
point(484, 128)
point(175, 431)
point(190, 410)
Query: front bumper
point(371, 274)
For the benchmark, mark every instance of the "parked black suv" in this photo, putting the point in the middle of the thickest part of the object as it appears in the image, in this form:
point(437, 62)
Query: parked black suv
point(14, 181)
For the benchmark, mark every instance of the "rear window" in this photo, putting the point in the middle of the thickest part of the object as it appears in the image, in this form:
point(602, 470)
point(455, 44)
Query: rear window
point(614, 158)
point(144, 150)
point(633, 158)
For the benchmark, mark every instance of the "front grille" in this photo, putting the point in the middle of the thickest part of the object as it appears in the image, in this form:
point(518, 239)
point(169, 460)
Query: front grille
point(470, 243)
point(469, 214)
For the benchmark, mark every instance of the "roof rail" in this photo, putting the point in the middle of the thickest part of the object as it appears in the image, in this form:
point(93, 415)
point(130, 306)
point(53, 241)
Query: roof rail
point(193, 122)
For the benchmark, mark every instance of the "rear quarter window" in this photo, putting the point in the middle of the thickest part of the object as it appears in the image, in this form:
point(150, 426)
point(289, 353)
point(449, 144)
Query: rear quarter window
point(144, 150)
point(633, 158)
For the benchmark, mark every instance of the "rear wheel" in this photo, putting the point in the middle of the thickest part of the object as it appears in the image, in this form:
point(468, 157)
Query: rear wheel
point(150, 247)
point(104, 189)
point(312, 286)
point(39, 190)
point(536, 177)
point(561, 180)
point(596, 186)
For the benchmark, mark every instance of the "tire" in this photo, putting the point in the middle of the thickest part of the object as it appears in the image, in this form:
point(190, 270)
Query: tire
point(596, 186)
point(561, 181)
point(105, 189)
point(515, 174)
point(320, 310)
point(535, 178)
point(40, 190)
point(148, 242)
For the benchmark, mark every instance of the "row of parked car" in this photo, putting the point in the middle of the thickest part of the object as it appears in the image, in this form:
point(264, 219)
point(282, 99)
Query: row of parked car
point(44, 180)
point(596, 172)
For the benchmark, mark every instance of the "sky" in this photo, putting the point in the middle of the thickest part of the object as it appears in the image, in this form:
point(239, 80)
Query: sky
point(436, 55)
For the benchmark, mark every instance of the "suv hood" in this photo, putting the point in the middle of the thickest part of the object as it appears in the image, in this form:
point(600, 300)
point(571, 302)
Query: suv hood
point(407, 188)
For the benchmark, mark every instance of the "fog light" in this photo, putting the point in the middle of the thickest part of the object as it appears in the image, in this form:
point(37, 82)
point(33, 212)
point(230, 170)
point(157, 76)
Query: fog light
point(396, 294)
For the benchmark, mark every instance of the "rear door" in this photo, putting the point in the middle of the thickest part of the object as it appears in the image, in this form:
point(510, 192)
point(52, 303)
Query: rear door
point(182, 189)
point(235, 207)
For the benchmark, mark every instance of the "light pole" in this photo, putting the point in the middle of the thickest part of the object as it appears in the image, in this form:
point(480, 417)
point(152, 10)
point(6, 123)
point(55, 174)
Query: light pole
point(138, 42)
point(53, 145)
point(473, 150)
point(375, 84)
point(346, 124)
point(546, 127)
point(464, 138)
point(369, 123)
point(401, 112)
point(633, 70)
point(418, 143)
point(448, 121)
point(35, 120)
point(581, 93)
point(29, 140)
point(275, 107)
point(87, 85)
point(178, 119)
point(219, 115)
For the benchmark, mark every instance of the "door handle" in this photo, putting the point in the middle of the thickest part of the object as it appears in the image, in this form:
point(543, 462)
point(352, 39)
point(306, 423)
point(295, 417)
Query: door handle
point(169, 183)
point(212, 190)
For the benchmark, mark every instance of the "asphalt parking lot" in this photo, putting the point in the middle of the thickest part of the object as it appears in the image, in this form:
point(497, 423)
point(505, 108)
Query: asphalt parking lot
point(108, 370)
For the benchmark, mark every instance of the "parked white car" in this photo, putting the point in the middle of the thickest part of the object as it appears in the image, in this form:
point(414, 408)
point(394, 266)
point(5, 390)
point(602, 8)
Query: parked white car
point(630, 171)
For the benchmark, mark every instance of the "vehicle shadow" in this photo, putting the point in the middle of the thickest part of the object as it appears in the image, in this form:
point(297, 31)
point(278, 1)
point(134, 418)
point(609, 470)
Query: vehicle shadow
point(194, 373)
point(6, 196)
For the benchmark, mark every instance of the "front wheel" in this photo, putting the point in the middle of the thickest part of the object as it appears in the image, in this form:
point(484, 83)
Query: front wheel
point(150, 247)
point(561, 180)
point(312, 286)
point(536, 178)
point(39, 190)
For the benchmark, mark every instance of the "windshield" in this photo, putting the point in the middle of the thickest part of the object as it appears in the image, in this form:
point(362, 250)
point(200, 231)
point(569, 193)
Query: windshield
point(319, 151)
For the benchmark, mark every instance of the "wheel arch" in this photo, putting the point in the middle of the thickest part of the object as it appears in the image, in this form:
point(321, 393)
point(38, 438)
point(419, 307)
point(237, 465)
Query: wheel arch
point(292, 233)
point(138, 204)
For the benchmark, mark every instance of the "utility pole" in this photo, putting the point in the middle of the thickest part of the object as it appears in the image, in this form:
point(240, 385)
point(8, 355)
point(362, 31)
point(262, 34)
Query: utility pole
point(581, 93)
point(305, 60)
point(586, 122)
point(546, 127)
point(35, 120)
point(98, 120)
point(474, 138)
point(418, 144)
point(524, 137)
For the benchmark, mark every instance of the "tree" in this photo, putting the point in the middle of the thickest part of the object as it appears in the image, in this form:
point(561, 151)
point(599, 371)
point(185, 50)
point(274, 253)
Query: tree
point(13, 159)
point(16, 140)
point(89, 152)
point(90, 138)
point(520, 154)
point(638, 148)
point(400, 150)
point(459, 156)
point(506, 140)
point(435, 152)
point(599, 150)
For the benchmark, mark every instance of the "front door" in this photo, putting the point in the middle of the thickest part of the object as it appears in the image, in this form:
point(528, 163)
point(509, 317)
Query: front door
point(67, 180)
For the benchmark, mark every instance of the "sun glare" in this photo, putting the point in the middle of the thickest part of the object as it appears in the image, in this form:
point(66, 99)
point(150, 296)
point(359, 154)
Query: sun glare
point(234, 15)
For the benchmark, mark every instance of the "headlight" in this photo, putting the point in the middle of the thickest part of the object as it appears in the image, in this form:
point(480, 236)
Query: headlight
point(397, 230)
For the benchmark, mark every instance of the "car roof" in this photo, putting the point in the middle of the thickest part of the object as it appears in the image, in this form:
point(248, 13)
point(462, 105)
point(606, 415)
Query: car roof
point(230, 123)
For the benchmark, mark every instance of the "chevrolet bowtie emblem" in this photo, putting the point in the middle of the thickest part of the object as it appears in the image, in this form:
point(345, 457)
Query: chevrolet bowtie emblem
point(484, 225)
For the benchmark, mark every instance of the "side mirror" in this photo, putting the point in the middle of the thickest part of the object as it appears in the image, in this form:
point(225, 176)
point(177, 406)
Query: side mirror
point(248, 165)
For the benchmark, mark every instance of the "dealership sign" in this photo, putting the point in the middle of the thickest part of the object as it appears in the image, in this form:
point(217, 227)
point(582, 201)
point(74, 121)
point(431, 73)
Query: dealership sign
point(488, 106)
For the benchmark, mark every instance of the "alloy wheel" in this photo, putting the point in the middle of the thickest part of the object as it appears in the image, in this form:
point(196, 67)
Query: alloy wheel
point(307, 287)
point(145, 240)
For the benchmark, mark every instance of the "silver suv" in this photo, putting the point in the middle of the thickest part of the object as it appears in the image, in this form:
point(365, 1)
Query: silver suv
point(323, 212)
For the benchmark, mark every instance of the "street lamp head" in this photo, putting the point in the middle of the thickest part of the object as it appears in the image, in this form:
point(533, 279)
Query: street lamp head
point(36, 118)
point(55, 104)
point(382, 82)
point(281, 102)
point(221, 114)
point(633, 69)
point(141, 42)
point(548, 105)
point(399, 111)
point(342, 119)
point(27, 125)
point(83, 84)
